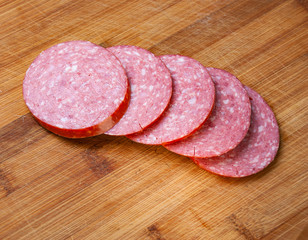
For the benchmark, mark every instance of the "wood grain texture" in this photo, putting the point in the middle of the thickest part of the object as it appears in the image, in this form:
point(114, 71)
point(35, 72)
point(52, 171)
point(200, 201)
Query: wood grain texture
point(109, 187)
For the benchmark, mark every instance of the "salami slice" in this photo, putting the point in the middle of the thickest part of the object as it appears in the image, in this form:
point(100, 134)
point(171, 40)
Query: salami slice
point(256, 151)
point(227, 125)
point(191, 102)
point(76, 89)
point(151, 89)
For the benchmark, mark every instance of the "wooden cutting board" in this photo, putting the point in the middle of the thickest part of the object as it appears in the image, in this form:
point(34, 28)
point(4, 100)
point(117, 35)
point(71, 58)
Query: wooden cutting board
point(112, 188)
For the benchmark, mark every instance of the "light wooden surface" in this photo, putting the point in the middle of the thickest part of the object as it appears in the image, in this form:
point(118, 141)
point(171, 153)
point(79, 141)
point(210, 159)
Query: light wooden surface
point(111, 188)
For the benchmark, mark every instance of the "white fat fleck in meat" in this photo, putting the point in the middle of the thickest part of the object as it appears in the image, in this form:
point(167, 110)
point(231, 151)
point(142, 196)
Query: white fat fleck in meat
point(116, 101)
point(260, 128)
point(255, 160)
point(133, 87)
point(67, 100)
point(152, 137)
point(184, 91)
point(212, 168)
point(64, 119)
point(151, 88)
point(231, 110)
point(74, 68)
point(226, 101)
point(94, 50)
point(67, 68)
point(172, 69)
point(262, 165)
point(143, 72)
point(192, 101)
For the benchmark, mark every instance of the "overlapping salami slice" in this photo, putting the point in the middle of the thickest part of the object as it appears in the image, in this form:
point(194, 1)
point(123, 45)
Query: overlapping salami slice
point(257, 150)
point(227, 125)
point(76, 89)
point(191, 102)
point(151, 89)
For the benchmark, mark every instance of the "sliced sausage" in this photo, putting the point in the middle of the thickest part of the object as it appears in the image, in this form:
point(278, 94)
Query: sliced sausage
point(256, 151)
point(151, 88)
point(76, 89)
point(227, 125)
point(191, 102)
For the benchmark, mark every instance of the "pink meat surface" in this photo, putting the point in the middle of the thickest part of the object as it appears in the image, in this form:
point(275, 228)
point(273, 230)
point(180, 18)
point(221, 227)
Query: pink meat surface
point(150, 86)
point(256, 151)
point(76, 85)
point(190, 105)
point(226, 126)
